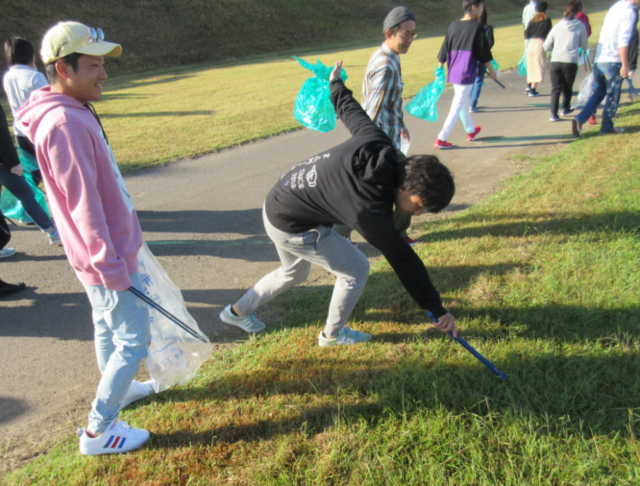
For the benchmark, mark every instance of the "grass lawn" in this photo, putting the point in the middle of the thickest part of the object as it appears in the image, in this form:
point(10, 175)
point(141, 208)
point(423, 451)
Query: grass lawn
point(173, 114)
point(544, 279)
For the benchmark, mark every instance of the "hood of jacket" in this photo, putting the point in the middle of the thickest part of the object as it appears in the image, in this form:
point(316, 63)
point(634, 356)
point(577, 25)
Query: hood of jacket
point(44, 103)
point(572, 25)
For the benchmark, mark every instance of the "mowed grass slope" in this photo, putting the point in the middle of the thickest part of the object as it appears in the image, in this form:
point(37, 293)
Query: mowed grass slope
point(544, 279)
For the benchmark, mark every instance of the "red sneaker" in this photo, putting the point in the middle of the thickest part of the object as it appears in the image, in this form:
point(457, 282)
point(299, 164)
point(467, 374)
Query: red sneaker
point(442, 144)
point(472, 136)
point(411, 241)
point(592, 120)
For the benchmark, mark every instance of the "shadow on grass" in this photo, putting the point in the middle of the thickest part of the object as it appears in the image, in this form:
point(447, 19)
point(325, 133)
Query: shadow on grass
point(591, 395)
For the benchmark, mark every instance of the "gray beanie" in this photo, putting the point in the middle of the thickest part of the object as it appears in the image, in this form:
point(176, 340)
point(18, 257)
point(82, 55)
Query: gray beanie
point(396, 17)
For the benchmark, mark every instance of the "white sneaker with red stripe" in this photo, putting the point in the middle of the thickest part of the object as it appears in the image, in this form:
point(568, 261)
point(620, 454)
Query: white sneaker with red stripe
point(118, 437)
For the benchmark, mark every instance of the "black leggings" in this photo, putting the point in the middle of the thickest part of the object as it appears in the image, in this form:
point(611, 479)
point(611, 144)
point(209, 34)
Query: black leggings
point(562, 74)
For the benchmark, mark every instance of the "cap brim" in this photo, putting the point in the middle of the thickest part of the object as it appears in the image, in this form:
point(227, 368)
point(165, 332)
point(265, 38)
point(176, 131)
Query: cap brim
point(101, 48)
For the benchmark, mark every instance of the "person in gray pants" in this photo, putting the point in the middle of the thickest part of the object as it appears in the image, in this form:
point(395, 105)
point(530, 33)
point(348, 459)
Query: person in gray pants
point(356, 183)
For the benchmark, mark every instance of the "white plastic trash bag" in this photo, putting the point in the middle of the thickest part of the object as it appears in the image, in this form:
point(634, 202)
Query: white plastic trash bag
point(174, 355)
point(585, 92)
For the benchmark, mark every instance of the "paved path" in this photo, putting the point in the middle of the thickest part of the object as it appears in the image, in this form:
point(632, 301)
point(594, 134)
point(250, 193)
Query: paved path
point(202, 219)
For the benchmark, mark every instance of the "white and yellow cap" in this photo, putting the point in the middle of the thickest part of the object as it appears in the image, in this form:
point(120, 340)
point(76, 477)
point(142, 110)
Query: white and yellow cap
point(67, 38)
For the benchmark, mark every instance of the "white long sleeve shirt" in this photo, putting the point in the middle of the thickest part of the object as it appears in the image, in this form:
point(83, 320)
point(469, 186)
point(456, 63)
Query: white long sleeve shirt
point(19, 81)
point(616, 32)
point(528, 13)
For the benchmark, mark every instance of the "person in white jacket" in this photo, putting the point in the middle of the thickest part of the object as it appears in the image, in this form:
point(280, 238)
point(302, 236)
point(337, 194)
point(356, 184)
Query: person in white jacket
point(564, 42)
point(611, 66)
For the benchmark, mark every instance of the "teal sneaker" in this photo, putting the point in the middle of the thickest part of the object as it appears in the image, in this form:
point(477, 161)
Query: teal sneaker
point(248, 323)
point(345, 336)
point(54, 237)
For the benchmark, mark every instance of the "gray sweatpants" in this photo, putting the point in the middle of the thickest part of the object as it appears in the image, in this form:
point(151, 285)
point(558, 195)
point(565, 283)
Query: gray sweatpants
point(297, 252)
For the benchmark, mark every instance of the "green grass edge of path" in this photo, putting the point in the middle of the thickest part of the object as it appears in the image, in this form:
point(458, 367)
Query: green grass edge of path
point(544, 278)
point(163, 116)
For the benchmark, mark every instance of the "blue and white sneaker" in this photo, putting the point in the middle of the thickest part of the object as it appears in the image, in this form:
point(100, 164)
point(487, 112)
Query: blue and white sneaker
point(54, 237)
point(118, 437)
point(248, 323)
point(345, 336)
point(137, 391)
point(7, 252)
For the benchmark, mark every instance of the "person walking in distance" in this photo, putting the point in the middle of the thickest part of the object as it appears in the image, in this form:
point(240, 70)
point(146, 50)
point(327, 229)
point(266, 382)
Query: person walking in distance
point(99, 227)
point(357, 183)
point(536, 33)
point(565, 41)
point(477, 85)
point(528, 13)
point(382, 94)
point(611, 66)
point(464, 46)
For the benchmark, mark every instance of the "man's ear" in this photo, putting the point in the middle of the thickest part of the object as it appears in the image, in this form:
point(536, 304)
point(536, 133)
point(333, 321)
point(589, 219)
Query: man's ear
point(62, 68)
point(388, 34)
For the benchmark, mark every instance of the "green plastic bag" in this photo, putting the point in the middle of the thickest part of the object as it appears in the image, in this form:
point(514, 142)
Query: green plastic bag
point(313, 106)
point(12, 207)
point(28, 161)
point(495, 65)
point(423, 105)
point(522, 66)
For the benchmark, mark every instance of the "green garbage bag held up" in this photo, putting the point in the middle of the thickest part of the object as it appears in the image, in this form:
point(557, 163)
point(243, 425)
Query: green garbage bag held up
point(313, 107)
point(522, 66)
point(11, 205)
point(423, 105)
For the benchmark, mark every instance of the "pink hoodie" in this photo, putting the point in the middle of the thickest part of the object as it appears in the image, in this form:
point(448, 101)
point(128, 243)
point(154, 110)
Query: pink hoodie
point(101, 237)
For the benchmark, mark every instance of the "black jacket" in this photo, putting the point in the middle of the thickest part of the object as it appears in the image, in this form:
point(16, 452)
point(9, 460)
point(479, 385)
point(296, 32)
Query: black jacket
point(8, 155)
point(538, 30)
point(353, 183)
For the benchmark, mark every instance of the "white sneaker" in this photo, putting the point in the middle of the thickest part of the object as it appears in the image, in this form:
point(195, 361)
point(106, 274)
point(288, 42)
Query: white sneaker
point(248, 323)
point(7, 252)
point(118, 437)
point(136, 391)
point(345, 336)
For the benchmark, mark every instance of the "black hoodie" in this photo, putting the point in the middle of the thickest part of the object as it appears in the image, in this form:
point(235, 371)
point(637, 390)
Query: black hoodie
point(354, 184)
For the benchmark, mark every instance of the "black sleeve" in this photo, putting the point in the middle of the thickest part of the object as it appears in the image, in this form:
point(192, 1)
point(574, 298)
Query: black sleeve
point(8, 155)
point(488, 31)
point(350, 112)
point(442, 55)
point(632, 54)
point(379, 230)
point(5, 233)
point(481, 48)
point(547, 29)
point(527, 31)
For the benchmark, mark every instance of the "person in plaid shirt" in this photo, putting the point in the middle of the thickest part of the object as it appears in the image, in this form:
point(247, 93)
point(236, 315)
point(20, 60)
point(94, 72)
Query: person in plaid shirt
point(382, 93)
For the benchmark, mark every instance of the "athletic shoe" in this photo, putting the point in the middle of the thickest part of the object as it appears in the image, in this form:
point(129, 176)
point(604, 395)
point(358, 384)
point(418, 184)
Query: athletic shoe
point(54, 237)
point(592, 120)
point(345, 336)
point(248, 323)
point(615, 130)
point(472, 136)
point(7, 252)
point(411, 241)
point(527, 89)
point(136, 392)
point(576, 127)
point(566, 112)
point(474, 110)
point(8, 289)
point(533, 93)
point(443, 144)
point(119, 437)
point(554, 118)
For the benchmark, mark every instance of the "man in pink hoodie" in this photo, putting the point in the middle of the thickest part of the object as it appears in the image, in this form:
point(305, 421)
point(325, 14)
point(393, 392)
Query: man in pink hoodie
point(96, 220)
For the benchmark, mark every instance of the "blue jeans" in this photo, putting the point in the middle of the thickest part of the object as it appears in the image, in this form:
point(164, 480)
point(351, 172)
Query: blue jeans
point(477, 85)
point(606, 82)
point(21, 189)
point(121, 323)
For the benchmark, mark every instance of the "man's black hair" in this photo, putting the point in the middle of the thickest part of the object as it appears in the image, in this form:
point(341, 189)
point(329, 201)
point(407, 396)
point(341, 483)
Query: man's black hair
point(50, 69)
point(18, 51)
point(428, 178)
point(467, 4)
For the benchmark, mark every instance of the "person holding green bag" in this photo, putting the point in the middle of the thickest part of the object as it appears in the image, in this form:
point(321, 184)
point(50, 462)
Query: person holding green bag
point(11, 177)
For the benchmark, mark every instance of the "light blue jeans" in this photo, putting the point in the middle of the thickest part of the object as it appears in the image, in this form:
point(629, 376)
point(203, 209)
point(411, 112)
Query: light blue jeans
point(606, 83)
point(122, 333)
